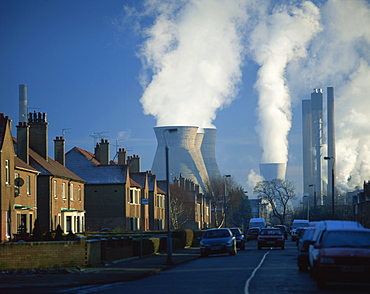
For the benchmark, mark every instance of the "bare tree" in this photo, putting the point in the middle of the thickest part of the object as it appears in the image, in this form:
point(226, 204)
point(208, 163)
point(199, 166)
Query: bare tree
point(278, 193)
point(181, 204)
point(228, 202)
point(215, 191)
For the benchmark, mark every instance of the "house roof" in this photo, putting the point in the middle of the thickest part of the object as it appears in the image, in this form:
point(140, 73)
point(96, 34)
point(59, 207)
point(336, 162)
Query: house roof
point(85, 164)
point(51, 167)
point(89, 155)
point(3, 122)
point(134, 184)
point(140, 178)
point(20, 164)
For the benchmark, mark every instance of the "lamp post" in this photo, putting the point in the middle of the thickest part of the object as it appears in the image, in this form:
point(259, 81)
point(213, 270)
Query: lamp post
point(168, 204)
point(225, 176)
point(314, 194)
point(332, 184)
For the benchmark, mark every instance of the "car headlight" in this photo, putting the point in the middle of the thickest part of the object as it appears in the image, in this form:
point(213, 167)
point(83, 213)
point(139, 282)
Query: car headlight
point(327, 260)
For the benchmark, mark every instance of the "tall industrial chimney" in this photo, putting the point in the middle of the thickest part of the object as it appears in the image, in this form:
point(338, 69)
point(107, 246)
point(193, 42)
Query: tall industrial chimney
point(185, 158)
point(331, 140)
point(307, 145)
point(271, 171)
point(23, 111)
point(317, 133)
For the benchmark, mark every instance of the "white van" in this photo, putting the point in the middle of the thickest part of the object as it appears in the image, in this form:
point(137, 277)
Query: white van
point(298, 223)
point(257, 223)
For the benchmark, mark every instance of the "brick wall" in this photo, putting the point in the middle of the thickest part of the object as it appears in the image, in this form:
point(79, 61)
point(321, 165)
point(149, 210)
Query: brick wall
point(51, 254)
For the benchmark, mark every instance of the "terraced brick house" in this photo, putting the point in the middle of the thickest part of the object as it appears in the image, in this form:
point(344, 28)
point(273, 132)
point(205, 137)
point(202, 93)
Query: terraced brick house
point(60, 192)
point(18, 203)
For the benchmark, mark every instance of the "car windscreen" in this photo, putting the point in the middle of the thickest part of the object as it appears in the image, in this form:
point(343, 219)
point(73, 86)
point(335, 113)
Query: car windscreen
point(356, 239)
point(235, 232)
point(216, 234)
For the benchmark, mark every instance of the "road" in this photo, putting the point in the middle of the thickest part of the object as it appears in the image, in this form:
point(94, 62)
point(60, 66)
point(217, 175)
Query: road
point(251, 271)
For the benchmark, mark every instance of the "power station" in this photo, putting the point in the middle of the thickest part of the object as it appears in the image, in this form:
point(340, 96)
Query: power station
point(191, 153)
point(313, 145)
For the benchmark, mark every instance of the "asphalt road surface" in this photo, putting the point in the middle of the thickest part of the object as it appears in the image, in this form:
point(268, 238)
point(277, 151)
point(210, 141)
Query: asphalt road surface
point(251, 271)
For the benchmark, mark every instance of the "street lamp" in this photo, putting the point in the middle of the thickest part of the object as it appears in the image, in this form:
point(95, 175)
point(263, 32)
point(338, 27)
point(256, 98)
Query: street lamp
point(225, 176)
point(314, 194)
point(332, 184)
point(168, 221)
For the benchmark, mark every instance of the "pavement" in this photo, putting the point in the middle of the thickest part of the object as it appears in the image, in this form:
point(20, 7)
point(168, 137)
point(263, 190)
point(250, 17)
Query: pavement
point(126, 270)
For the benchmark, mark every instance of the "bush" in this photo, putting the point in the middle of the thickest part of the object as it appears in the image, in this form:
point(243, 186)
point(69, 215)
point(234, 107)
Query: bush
point(181, 235)
point(189, 237)
point(156, 243)
point(148, 247)
point(197, 236)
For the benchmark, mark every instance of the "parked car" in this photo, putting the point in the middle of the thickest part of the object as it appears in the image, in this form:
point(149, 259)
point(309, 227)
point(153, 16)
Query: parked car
point(284, 229)
point(252, 233)
point(271, 237)
point(299, 233)
point(297, 223)
point(304, 241)
point(239, 237)
point(344, 256)
point(216, 241)
point(321, 228)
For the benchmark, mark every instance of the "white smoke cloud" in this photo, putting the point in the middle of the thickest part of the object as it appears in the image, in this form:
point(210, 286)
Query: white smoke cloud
point(277, 39)
point(339, 57)
point(193, 55)
point(194, 52)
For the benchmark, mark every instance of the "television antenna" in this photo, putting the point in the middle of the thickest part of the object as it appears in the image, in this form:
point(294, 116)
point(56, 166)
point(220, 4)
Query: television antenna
point(97, 136)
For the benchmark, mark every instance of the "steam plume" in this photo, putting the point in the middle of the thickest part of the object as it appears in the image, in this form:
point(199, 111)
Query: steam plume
point(339, 57)
point(194, 52)
point(276, 40)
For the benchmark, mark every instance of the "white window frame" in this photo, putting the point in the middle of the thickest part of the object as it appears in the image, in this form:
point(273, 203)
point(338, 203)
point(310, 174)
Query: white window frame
point(63, 190)
point(71, 192)
point(55, 188)
point(29, 185)
point(7, 172)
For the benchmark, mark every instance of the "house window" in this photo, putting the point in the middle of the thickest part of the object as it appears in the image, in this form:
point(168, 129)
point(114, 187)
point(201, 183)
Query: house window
point(28, 185)
point(79, 193)
point(71, 195)
point(63, 190)
point(55, 189)
point(7, 172)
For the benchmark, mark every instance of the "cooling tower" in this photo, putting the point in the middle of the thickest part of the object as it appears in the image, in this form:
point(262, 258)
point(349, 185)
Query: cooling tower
point(23, 116)
point(185, 157)
point(271, 171)
point(209, 153)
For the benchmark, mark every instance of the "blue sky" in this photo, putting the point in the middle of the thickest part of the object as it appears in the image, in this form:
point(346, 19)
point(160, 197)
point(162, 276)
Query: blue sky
point(83, 64)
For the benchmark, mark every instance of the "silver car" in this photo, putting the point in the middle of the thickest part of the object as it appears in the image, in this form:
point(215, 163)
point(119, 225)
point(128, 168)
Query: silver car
point(217, 241)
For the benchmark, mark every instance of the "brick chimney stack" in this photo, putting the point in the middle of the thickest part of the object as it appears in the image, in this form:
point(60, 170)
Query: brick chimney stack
point(39, 133)
point(134, 163)
point(23, 141)
point(122, 159)
point(102, 152)
point(59, 150)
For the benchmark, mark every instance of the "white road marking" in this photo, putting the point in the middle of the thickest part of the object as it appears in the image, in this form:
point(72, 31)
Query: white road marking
point(246, 287)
